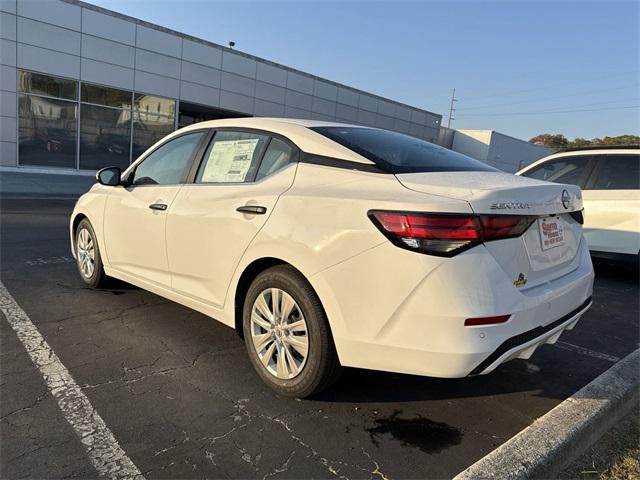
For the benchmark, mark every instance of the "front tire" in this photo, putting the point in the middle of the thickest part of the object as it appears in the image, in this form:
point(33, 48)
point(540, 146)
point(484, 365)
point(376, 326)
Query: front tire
point(287, 334)
point(88, 259)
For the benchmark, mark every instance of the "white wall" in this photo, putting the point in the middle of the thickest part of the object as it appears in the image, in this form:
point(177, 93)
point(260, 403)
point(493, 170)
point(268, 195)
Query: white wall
point(511, 154)
point(474, 143)
point(497, 149)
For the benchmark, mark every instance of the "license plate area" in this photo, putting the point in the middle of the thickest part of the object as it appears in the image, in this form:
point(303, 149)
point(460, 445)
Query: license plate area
point(552, 232)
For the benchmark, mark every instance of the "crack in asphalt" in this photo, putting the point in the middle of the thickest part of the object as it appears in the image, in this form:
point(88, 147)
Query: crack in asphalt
point(243, 414)
point(103, 450)
point(28, 407)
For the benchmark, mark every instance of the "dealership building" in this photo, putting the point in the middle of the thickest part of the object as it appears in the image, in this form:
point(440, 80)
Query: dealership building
point(82, 87)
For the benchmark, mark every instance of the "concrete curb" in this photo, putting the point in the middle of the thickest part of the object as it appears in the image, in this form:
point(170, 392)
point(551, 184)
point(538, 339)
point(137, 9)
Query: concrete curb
point(556, 439)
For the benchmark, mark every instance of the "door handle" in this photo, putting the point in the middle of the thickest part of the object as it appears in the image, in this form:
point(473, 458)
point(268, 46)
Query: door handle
point(158, 206)
point(252, 209)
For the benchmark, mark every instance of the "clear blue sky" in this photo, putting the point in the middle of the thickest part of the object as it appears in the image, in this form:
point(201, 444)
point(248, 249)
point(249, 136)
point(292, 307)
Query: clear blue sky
point(502, 57)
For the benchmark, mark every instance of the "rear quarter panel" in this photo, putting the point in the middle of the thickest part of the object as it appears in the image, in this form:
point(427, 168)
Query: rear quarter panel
point(322, 221)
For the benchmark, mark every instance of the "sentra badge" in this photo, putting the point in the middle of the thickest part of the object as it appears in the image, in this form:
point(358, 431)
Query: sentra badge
point(509, 206)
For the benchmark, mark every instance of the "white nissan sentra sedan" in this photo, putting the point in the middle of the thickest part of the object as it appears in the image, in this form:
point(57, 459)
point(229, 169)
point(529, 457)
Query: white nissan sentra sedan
point(328, 245)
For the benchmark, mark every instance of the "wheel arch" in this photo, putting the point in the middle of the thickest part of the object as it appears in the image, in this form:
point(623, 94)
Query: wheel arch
point(251, 271)
point(74, 227)
point(77, 219)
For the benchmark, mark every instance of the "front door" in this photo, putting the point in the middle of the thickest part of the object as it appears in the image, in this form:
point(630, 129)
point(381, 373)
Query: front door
point(136, 214)
point(214, 219)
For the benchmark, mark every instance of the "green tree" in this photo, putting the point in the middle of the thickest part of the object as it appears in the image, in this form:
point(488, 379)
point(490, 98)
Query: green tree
point(619, 140)
point(551, 140)
point(579, 142)
point(558, 141)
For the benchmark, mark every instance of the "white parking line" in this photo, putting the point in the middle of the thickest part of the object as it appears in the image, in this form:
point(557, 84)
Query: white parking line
point(49, 261)
point(105, 454)
point(586, 351)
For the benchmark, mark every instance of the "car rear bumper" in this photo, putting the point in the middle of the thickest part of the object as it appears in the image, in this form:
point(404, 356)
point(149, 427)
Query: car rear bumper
point(397, 318)
point(524, 344)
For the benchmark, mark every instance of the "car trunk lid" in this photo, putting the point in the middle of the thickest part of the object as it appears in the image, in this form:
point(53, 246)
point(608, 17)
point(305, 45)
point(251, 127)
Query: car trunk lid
point(549, 247)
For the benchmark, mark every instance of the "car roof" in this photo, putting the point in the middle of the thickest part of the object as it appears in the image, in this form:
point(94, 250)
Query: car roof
point(600, 147)
point(580, 152)
point(297, 130)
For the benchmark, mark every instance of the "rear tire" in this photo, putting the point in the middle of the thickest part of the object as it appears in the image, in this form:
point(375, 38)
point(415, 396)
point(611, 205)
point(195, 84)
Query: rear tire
point(88, 258)
point(289, 341)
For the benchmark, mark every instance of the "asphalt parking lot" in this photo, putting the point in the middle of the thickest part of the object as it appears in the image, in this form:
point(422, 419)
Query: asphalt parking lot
point(181, 398)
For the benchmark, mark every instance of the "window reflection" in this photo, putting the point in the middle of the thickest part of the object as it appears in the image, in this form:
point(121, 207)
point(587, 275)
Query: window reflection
point(152, 105)
point(53, 111)
point(104, 137)
point(37, 83)
point(111, 97)
point(47, 131)
point(148, 129)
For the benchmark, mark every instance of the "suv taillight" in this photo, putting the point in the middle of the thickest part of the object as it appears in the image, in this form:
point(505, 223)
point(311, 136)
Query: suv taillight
point(446, 234)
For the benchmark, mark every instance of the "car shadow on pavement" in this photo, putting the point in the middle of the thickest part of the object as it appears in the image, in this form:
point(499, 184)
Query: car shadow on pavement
point(617, 270)
point(357, 385)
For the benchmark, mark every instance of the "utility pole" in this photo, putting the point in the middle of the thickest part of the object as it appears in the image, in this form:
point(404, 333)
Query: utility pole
point(451, 109)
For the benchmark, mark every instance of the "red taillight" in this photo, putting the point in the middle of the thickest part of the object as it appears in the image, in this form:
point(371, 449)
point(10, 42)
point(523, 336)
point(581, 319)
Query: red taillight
point(471, 322)
point(429, 226)
point(495, 227)
point(446, 234)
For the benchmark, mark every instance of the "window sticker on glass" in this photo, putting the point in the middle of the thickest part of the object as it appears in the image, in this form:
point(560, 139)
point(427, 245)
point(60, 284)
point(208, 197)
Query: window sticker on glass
point(230, 160)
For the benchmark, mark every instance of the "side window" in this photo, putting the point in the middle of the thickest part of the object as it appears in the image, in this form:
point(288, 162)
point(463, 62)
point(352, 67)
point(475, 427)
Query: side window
point(563, 170)
point(278, 155)
point(617, 172)
point(232, 157)
point(166, 165)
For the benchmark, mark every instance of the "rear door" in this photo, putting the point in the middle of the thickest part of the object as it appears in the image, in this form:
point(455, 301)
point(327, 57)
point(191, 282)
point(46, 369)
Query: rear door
point(215, 217)
point(612, 204)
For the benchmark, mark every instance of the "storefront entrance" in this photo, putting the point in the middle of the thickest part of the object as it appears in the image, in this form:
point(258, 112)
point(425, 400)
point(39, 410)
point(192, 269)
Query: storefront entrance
point(193, 113)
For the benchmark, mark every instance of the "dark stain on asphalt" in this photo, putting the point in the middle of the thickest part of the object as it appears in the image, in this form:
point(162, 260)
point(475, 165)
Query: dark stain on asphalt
point(427, 435)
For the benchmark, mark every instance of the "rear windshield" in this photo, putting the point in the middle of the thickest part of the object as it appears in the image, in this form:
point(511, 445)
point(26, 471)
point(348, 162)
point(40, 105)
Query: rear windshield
point(397, 153)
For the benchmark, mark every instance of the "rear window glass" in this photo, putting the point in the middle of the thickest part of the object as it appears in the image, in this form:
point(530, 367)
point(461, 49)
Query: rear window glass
point(569, 169)
point(398, 153)
point(618, 172)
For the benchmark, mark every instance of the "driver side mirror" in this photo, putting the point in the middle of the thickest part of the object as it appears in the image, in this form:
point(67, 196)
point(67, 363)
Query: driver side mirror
point(109, 176)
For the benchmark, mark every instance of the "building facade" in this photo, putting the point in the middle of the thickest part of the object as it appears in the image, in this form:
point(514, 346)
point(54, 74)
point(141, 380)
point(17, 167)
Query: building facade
point(507, 153)
point(82, 87)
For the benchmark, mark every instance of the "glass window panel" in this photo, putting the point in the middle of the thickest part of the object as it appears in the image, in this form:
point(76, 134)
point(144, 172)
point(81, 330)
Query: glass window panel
point(278, 155)
point(148, 129)
point(167, 164)
point(618, 172)
point(565, 170)
point(232, 157)
point(395, 152)
point(104, 137)
point(151, 104)
point(111, 97)
point(47, 85)
point(47, 132)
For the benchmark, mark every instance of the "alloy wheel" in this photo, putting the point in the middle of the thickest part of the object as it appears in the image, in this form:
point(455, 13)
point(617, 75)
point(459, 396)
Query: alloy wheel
point(86, 253)
point(279, 333)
